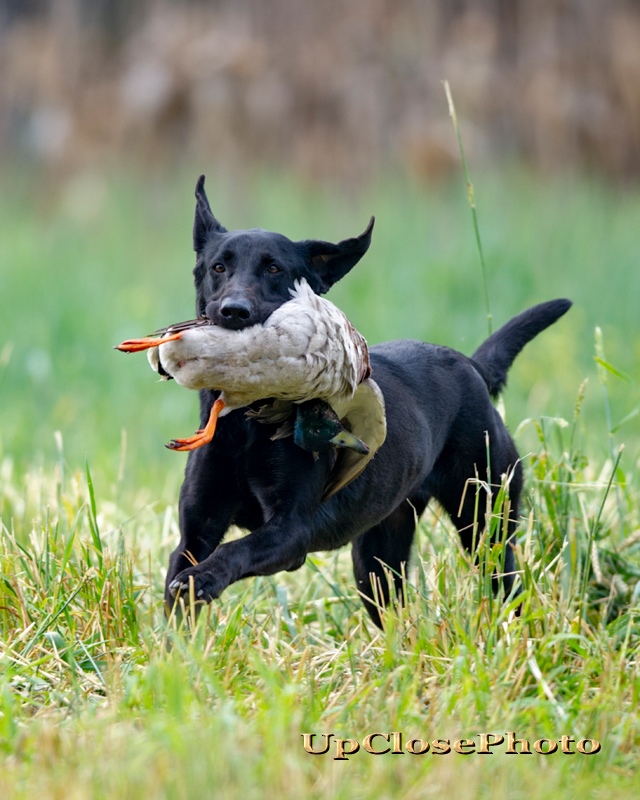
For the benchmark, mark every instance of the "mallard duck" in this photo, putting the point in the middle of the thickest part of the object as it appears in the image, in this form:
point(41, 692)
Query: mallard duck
point(306, 350)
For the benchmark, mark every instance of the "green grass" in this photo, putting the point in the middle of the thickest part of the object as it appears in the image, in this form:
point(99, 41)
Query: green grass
point(100, 698)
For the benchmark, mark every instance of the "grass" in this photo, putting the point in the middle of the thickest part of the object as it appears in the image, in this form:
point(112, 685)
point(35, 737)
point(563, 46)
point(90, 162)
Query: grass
point(97, 693)
point(99, 697)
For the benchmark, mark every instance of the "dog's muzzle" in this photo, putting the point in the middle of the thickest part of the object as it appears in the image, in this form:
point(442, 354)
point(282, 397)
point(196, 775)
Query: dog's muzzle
point(236, 313)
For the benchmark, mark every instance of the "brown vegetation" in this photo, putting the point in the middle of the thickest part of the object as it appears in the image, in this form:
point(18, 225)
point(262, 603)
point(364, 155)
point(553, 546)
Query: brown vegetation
point(329, 87)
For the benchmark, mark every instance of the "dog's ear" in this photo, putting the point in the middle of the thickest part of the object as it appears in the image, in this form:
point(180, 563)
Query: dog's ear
point(332, 261)
point(204, 223)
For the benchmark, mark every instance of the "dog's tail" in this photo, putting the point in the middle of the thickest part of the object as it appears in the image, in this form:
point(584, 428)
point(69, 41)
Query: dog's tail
point(494, 356)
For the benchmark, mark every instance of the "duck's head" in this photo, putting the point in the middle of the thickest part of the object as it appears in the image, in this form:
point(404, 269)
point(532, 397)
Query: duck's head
point(243, 276)
point(318, 429)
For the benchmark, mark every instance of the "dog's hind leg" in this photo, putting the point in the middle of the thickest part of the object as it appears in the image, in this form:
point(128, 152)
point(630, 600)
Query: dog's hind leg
point(457, 467)
point(386, 544)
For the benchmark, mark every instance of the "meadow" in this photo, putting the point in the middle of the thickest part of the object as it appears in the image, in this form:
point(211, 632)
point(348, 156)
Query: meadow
point(101, 697)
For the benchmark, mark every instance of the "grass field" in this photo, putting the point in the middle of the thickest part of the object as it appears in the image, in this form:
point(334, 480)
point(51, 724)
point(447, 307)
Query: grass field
point(99, 698)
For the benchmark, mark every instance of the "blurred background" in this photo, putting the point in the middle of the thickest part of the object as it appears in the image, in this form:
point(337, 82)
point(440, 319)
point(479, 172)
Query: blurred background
point(307, 117)
point(324, 88)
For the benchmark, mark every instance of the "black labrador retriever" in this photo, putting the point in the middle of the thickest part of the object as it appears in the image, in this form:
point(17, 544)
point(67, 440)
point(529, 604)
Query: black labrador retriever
point(438, 413)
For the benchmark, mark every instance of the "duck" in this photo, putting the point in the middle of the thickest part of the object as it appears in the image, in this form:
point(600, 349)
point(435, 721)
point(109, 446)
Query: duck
point(307, 350)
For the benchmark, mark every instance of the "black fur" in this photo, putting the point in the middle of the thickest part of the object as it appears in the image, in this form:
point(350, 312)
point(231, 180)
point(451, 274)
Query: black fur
point(497, 353)
point(438, 410)
point(234, 285)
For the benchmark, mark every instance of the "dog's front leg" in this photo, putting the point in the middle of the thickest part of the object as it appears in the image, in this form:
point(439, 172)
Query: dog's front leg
point(290, 496)
point(281, 544)
point(209, 500)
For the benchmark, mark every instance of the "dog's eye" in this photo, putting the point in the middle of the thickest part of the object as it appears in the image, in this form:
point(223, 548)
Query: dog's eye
point(272, 269)
point(219, 268)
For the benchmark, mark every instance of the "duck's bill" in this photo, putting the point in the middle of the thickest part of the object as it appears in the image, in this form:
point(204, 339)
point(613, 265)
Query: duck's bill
point(351, 442)
point(138, 345)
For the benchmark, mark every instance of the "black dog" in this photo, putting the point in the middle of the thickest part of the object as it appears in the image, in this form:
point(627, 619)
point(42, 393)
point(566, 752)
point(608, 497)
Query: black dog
point(438, 410)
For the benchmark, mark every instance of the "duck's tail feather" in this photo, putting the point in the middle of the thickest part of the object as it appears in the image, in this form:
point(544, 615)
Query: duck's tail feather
point(495, 355)
point(273, 412)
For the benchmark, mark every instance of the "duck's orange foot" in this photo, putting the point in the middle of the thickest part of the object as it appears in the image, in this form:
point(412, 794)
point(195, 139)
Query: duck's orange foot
point(190, 443)
point(203, 436)
point(137, 345)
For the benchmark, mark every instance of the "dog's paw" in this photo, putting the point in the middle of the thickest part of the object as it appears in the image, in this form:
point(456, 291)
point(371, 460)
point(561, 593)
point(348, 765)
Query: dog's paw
point(179, 588)
point(206, 587)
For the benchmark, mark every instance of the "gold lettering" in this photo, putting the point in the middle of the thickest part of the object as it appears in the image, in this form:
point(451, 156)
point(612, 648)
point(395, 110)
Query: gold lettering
point(440, 747)
point(553, 746)
point(461, 744)
point(511, 745)
point(595, 747)
point(486, 743)
point(368, 746)
point(308, 743)
point(397, 744)
point(565, 741)
point(411, 747)
point(341, 753)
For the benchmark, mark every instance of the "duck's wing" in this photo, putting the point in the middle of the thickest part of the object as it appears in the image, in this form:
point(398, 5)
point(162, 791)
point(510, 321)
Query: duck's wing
point(358, 352)
point(364, 416)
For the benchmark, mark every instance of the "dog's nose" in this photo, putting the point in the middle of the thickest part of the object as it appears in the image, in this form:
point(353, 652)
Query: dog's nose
point(236, 310)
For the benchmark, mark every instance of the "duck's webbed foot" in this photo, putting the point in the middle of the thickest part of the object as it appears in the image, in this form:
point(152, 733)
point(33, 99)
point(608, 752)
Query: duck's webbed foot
point(137, 345)
point(202, 436)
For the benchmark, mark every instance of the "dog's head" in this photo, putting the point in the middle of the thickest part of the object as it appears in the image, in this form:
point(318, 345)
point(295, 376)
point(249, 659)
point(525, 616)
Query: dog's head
point(243, 276)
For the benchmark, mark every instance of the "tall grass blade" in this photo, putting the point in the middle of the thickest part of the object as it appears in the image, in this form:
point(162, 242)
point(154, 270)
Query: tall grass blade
point(93, 520)
point(592, 531)
point(472, 204)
